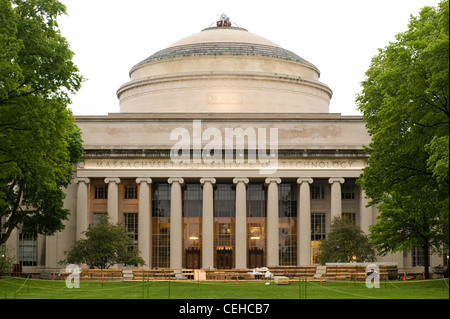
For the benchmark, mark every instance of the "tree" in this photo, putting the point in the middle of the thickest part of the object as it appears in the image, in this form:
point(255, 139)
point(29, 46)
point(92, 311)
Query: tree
point(7, 261)
point(344, 243)
point(104, 245)
point(38, 138)
point(404, 102)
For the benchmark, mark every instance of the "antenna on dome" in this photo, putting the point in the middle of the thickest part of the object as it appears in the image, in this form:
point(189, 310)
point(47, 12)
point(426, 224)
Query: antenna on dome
point(224, 21)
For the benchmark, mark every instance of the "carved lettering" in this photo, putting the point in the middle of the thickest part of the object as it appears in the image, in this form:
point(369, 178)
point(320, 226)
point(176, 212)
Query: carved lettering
point(222, 164)
point(224, 98)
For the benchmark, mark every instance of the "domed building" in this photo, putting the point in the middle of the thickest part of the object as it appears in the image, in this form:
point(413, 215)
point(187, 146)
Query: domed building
point(224, 155)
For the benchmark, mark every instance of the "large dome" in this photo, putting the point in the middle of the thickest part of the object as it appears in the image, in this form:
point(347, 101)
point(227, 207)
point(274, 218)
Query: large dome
point(224, 70)
point(223, 41)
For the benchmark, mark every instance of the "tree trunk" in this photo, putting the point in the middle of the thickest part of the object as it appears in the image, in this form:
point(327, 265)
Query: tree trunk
point(12, 221)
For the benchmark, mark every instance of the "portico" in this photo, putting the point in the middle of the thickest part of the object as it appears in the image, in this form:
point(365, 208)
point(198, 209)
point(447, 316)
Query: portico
point(258, 229)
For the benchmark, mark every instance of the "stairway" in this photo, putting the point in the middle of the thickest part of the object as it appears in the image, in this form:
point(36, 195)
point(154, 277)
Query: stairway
point(320, 272)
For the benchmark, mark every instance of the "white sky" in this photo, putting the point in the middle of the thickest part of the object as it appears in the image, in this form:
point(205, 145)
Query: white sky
point(339, 37)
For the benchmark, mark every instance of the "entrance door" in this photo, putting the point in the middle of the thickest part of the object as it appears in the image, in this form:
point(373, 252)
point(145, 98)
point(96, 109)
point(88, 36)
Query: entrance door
point(193, 258)
point(255, 258)
point(224, 258)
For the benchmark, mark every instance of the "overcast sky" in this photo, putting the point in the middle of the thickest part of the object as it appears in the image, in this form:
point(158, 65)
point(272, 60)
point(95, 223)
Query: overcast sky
point(339, 37)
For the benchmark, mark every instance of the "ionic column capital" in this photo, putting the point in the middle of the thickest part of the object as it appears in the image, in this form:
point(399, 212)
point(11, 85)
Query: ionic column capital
point(112, 179)
point(179, 180)
point(85, 180)
point(237, 180)
point(272, 180)
point(204, 180)
point(308, 180)
point(147, 180)
point(336, 180)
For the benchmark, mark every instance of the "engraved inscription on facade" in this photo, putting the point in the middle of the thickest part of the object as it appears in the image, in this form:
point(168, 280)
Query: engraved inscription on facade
point(282, 165)
point(224, 98)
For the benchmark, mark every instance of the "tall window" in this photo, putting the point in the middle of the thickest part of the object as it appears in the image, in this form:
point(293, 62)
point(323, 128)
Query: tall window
point(192, 200)
point(224, 200)
point(349, 218)
point(224, 220)
point(27, 249)
point(317, 192)
point(287, 202)
point(418, 257)
point(348, 192)
point(161, 200)
point(317, 234)
point(160, 225)
point(101, 192)
point(192, 223)
point(287, 211)
point(97, 217)
point(256, 200)
point(131, 192)
point(131, 226)
point(256, 224)
point(224, 232)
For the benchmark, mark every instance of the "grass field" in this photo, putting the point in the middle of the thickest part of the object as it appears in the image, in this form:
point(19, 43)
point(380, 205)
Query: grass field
point(20, 288)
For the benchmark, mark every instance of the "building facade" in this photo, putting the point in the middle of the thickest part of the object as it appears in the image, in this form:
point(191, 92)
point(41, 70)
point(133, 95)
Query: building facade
point(223, 155)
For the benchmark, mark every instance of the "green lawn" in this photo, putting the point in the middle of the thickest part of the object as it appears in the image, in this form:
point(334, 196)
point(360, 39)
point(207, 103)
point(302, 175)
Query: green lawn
point(48, 289)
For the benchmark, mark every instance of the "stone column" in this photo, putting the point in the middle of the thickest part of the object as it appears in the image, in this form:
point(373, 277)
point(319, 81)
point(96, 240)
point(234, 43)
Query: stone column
point(176, 223)
point(51, 249)
point(304, 222)
point(82, 206)
point(144, 220)
point(241, 222)
point(208, 222)
point(336, 197)
point(113, 199)
point(365, 212)
point(272, 243)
